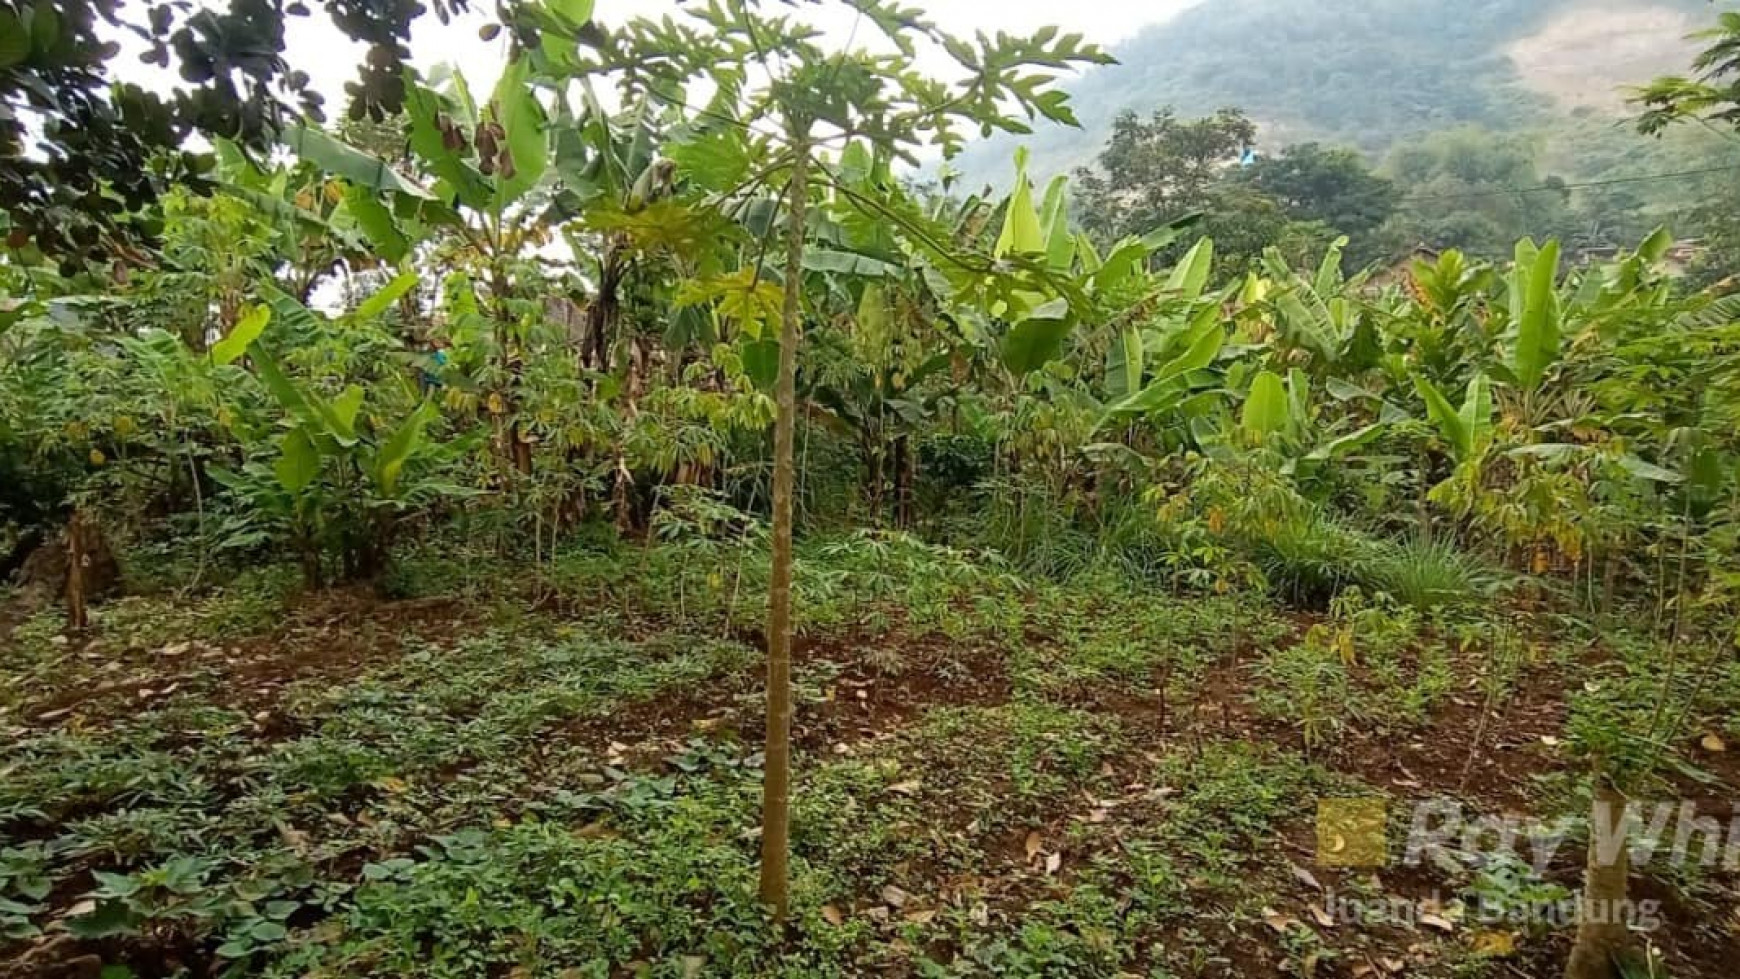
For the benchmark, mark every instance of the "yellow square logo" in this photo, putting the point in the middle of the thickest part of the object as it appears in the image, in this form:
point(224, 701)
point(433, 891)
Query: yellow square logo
point(1350, 833)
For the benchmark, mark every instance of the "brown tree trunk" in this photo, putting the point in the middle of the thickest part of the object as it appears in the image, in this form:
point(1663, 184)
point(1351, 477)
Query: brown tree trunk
point(776, 782)
point(1602, 938)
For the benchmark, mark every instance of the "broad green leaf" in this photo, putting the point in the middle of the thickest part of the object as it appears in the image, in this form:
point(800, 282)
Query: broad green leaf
point(298, 461)
point(388, 294)
point(1537, 339)
point(1038, 339)
point(522, 118)
point(288, 311)
point(761, 363)
point(576, 12)
point(1054, 222)
point(1648, 470)
point(285, 390)
point(1338, 448)
point(1265, 411)
point(1202, 344)
point(1652, 248)
point(346, 406)
point(424, 106)
point(304, 405)
point(1124, 364)
point(1476, 412)
point(398, 449)
point(14, 40)
point(245, 332)
point(1547, 451)
point(1126, 259)
point(334, 157)
point(1021, 231)
point(1190, 276)
point(376, 222)
point(1447, 419)
point(846, 263)
point(1329, 279)
point(1090, 256)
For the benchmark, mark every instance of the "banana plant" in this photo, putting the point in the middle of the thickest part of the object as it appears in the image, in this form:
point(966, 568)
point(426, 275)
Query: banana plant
point(1468, 431)
point(1536, 314)
point(335, 475)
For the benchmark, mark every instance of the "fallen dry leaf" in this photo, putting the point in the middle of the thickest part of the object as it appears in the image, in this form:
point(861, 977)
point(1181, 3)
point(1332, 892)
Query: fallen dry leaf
point(1053, 863)
point(1034, 845)
point(894, 897)
point(905, 788)
point(832, 915)
point(1278, 921)
point(1713, 743)
point(1437, 921)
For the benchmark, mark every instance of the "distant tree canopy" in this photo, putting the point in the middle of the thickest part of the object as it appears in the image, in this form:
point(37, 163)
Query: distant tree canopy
point(1158, 170)
point(1474, 190)
point(1330, 185)
point(85, 157)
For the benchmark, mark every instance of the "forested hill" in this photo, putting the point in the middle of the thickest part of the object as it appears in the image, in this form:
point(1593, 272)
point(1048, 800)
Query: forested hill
point(1367, 73)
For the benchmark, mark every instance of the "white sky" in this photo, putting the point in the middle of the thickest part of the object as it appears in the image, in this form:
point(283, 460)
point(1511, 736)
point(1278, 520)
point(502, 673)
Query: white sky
point(330, 59)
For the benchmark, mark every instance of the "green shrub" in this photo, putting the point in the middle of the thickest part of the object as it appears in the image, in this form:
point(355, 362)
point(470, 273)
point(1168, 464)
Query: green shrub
point(1427, 574)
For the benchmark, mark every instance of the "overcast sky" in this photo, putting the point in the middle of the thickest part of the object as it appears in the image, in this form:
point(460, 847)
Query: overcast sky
point(315, 46)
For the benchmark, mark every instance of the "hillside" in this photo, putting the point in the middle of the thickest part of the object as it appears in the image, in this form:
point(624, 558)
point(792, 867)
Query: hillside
point(1371, 73)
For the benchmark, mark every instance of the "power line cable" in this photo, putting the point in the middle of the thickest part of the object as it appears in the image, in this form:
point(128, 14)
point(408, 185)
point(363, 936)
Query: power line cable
point(1562, 187)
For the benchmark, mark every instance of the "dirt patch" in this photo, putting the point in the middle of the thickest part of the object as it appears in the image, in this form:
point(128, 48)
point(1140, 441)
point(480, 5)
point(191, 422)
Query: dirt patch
point(332, 636)
point(881, 684)
point(1585, 54)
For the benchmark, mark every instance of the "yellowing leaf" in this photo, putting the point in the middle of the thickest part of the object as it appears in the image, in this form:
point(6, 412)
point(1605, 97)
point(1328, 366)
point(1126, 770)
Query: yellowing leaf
point(1496, 944)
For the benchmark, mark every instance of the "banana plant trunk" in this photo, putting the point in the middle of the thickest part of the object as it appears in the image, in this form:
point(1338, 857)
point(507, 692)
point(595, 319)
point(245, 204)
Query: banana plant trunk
point(1602, 939)
point(776, 783)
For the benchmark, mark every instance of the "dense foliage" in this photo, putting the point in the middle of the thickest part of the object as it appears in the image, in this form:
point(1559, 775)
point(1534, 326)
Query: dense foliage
point(660, 366)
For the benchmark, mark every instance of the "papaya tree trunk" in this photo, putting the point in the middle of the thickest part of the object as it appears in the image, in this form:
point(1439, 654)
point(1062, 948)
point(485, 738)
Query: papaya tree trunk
point(1602, 938)
point(776, 782)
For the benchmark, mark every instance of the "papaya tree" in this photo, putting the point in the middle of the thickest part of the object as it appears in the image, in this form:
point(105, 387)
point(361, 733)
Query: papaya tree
point(782, 93)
